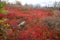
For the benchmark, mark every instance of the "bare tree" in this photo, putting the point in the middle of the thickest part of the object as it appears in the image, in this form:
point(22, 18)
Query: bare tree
point(18, 3)
point(37, 6)
point(57, 5)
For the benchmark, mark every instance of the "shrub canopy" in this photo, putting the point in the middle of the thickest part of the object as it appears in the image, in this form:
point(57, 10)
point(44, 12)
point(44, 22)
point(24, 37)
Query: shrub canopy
point(2, 4)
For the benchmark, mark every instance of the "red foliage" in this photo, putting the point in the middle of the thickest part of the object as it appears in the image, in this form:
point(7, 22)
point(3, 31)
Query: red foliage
point(34, 32)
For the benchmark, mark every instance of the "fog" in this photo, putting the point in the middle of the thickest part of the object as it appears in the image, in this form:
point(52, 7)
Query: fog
point(34, 2)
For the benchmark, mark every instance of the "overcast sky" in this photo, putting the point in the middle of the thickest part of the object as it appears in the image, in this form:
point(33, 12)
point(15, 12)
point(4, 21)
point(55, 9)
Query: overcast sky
point(41, 2)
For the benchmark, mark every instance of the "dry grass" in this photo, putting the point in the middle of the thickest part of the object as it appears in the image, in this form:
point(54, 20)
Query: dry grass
point(53, 22)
